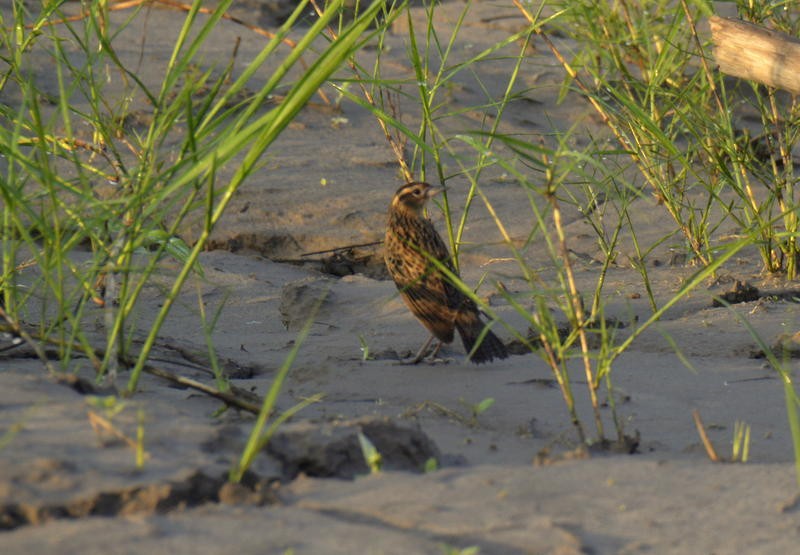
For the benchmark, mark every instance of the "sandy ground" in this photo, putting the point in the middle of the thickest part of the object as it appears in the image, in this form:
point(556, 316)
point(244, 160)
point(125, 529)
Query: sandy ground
point(68, 489)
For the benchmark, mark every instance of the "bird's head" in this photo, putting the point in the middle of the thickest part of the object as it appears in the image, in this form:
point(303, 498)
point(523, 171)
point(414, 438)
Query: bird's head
point(412, 197)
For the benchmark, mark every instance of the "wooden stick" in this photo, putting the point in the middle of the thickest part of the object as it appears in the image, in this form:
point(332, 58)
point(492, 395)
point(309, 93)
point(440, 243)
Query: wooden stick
point(748, 51)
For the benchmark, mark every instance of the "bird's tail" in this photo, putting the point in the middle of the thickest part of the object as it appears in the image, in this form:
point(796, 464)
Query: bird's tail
point(470, 327)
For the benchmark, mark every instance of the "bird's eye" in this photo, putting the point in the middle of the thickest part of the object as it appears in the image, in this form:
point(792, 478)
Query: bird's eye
point(417, 192)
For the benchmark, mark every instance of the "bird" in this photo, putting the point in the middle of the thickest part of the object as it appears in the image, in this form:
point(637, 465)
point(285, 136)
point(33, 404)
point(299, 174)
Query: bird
point(410, 245)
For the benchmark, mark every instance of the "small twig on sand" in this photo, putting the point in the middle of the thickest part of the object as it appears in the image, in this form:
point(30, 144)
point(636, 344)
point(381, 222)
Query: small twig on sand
point(37, 348)
point(235, 397)
point(701, 429)
point(344, 248)
point(228, 397)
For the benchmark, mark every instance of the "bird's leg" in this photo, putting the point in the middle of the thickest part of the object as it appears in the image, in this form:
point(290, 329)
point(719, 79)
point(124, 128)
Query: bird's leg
point(424, 351)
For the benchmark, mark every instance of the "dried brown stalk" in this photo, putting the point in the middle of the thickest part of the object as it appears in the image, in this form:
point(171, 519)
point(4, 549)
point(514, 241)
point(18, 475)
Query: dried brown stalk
point(701, 429)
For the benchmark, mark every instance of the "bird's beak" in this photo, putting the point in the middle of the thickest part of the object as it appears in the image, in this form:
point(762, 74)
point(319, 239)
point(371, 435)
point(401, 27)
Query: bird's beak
point(433, 191)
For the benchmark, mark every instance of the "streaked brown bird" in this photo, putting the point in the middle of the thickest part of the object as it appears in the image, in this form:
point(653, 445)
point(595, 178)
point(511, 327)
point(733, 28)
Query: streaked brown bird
point(411, 241)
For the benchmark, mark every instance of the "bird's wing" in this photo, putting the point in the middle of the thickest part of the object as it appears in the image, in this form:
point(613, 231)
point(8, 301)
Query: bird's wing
point(429, 298)
point(456, 300)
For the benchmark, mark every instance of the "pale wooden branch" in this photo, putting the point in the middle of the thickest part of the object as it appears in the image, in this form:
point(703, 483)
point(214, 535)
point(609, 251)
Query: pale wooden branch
point(751, 52)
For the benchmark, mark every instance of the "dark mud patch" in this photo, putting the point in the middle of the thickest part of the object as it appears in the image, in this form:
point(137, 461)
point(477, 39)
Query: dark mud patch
point(333, 450)
point(273, 246)
point(745, 292)
point(362, 259)
point(365, 259)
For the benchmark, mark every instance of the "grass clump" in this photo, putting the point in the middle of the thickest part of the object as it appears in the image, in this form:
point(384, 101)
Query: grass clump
point(90, 207)
point(645, 69)
point(673, 136)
